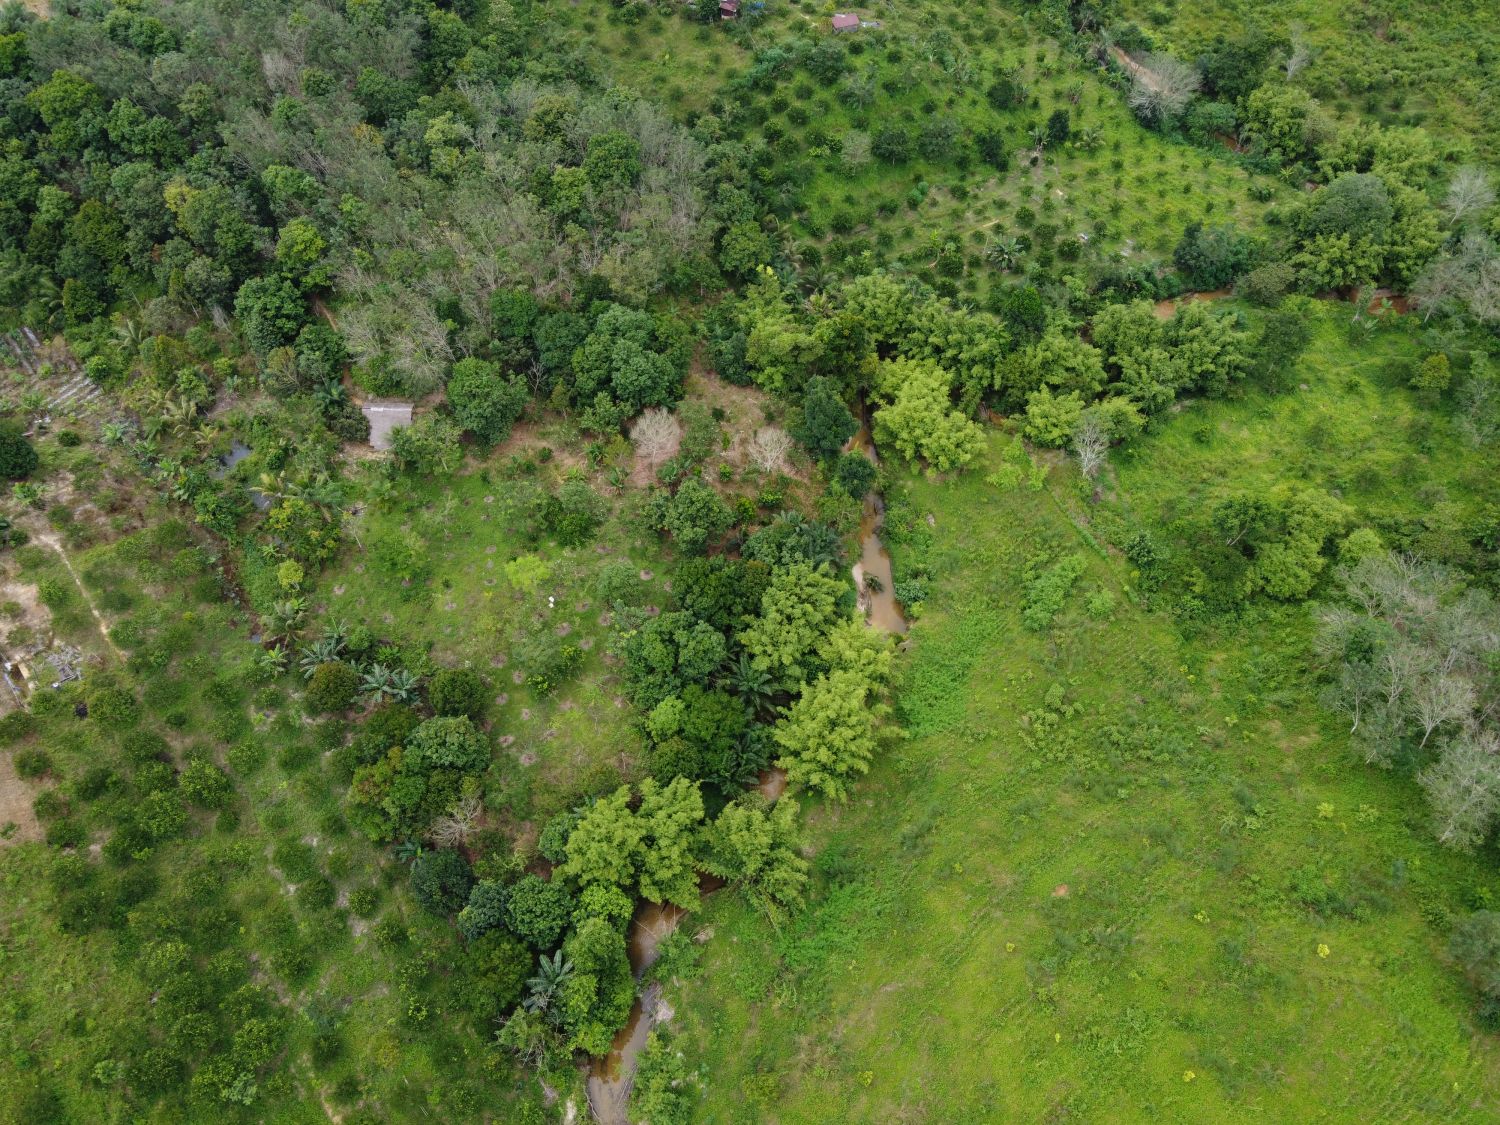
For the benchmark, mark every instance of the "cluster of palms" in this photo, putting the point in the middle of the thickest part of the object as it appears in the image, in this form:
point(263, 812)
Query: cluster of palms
point(377, 680)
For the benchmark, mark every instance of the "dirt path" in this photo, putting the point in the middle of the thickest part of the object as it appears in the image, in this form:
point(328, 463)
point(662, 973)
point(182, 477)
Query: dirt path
point(15, 804)
point(51, 540)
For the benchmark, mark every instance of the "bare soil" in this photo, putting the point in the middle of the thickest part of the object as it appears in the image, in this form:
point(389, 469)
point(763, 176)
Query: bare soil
point(15, 804)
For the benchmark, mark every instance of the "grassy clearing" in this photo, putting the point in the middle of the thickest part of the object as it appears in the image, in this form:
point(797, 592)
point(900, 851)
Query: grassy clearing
point(1102, 876)
point(1430, 66)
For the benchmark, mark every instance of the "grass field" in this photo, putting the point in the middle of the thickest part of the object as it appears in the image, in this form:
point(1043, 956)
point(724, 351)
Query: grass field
point(1113, 875)
point(1398, 64)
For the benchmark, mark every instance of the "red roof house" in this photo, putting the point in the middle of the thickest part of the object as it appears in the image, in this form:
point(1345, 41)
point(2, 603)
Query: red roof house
point(845, 21)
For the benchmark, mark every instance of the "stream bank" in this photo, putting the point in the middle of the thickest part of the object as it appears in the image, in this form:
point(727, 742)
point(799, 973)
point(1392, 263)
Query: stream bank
point(611, 1076)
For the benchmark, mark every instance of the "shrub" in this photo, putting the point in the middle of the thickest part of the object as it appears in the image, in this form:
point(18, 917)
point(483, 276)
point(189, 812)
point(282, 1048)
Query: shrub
point(364, 901)
point(333, 686)
point(457, 691)
point(18, 459)
point(538, 911)
point(32, 762)
point(16, 726)
point(114, 708)
point(204, 784)
point(142, 746)
point(441, 881)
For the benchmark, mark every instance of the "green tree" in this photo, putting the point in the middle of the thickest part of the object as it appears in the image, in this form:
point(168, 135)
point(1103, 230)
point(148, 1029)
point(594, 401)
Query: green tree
point(447, 742)
point(271, 311)
point(538, 911)
point(484, 401)
point(758, 851)
point(797, 612)
point(918, 418)
point(826, 422)
point(607, 845)
point(441, 881)
point(669, 817)
point(828, 736)
point(694, 517)
point(595, 1000)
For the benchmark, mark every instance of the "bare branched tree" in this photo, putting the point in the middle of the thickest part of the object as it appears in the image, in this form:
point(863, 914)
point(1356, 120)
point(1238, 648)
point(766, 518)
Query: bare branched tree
point(461, 821)
point(1090, 444)
point(1464, 788)
point(1161, 88)
point(656, 434)
point(769, 447)
point(1470, 195)
point(1300, 54)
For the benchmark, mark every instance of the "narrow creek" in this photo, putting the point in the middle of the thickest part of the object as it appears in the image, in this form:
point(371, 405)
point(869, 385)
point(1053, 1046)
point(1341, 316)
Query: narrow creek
point(611, 1076)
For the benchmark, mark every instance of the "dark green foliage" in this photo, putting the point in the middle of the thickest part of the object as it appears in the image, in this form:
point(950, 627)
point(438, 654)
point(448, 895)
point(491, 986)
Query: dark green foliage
point(32, 762)
point(458, 691)
point(792, 538)
point(575, 513)
point(333, 686)
point(18, 460)
point(441, 881)
point(538, 910)
point(271, 311)
point(854, 473)
point(1356, 204)
point(485, 910)
point(826, 422)
point(485, 402)
point(496, 968)
point(1212, 257)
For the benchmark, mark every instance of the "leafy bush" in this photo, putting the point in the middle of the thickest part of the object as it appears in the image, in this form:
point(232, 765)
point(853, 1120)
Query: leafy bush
point(457, 691)
point(1047, 589)
point(441, 881)
point(204, 784)
point(333, 686)
point(447, 742)
point(114, 708)
point(32, 762)
point(18, 459)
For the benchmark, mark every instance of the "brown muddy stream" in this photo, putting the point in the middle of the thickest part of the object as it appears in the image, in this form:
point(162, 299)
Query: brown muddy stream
point(611, 1077)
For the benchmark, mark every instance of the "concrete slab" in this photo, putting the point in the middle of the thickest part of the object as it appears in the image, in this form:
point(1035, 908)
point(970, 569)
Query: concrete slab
point(385, 417)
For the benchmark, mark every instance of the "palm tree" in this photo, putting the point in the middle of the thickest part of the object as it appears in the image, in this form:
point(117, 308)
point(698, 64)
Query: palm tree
point(551, 974)
point(753, 685)
point(1003, 252)
point(410, 850)
point(324, 650)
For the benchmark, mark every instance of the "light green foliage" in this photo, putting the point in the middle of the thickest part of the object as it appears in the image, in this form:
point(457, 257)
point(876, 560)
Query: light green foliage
point(1434, 375)
point(527, 572)
point(300, 252)
point(918, 418)
point(1047, 588)
point(1051, 418)
point(663, 1090)
point(797, 612)
point(448, 742)
point(429, 445)
point(827, 738)
point(607, 845)
point(757, 850)
point(1060, 361)
point(669, 817)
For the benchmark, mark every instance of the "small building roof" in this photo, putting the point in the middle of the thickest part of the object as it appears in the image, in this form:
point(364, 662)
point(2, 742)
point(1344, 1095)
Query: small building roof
point(845, 21)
